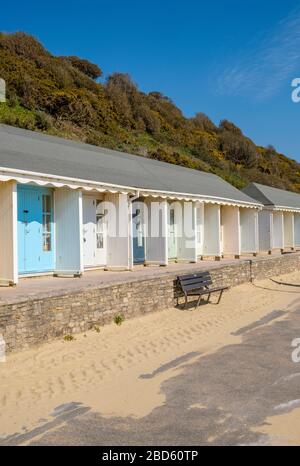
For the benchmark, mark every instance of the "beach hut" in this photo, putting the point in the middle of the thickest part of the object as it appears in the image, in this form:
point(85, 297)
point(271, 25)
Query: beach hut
point(67, 207)
point(229, 230)
point(279, 221)
point(238, 231)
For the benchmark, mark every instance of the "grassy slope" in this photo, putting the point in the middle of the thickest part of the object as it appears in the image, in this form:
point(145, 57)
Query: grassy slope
point(59, 95)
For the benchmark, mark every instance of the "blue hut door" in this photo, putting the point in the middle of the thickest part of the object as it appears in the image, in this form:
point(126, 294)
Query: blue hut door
point(138, 236)
point(35, 230)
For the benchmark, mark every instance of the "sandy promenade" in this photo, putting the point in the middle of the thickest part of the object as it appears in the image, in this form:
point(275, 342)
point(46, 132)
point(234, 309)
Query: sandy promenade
point(103, 370)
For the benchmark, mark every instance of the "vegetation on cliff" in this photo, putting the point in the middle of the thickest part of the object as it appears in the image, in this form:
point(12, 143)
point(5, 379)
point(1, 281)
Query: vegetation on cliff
point(63, 96)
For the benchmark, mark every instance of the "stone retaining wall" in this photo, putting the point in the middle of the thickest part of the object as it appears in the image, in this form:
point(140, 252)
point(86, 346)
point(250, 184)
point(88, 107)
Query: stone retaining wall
point(34, 321)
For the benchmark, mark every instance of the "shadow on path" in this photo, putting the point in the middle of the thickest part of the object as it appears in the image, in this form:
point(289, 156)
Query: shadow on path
point(217, 399)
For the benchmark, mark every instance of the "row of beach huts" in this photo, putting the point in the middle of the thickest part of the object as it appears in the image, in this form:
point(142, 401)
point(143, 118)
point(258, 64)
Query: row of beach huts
point(66, 207)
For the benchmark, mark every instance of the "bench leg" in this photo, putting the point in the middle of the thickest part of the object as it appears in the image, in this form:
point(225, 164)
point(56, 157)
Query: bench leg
point(199, 301)
point(186, 302)
point(220, 296)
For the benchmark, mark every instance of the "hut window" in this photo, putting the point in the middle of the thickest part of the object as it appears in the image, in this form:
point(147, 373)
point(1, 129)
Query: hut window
point(139, 229)
point(47, 222)
point(172, 217)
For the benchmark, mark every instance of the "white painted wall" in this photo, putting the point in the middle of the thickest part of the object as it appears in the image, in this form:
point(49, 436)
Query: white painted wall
point(230, 228)
point(187, 240)
point(297, 229)
point(156, 231)
point(278, 230)
point(68, 231)
point(119, 231)
point(288, 220)
point(212, 230)
point(200, 227)
point(8, 233)
point(249, 230)
point(265, 230)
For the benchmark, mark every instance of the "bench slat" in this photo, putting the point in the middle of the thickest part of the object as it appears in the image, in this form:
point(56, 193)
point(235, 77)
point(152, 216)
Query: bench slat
point(191, 281)
point(192, 287)
point(195, 275)
point(195, 286)
point(207, 291)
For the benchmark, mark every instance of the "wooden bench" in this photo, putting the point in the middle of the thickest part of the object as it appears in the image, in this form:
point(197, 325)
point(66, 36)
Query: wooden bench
point(197, 284)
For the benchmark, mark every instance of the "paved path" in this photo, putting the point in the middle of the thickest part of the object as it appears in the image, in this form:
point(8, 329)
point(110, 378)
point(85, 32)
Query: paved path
point(44, 286)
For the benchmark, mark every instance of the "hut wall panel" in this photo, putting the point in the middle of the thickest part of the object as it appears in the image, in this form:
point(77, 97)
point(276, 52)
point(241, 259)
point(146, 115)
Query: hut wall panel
point(187, 241)
point(156, 228)
point(200, 227)
point(119, 231)
point(68, 230)
point(249, 230)
point(288, 229)
point(212, 229)
point(230, 225)
point(278, 230)
point(265, 230)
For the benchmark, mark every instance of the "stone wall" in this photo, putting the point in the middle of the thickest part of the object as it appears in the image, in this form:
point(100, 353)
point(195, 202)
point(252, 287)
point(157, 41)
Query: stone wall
point(34, 321)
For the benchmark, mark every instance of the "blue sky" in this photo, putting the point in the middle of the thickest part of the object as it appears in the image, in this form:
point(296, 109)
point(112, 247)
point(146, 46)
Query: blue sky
point(232, 59)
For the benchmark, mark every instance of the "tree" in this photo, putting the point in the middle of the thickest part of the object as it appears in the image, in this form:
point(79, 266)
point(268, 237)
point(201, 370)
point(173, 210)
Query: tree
point(86, 67)
point(119, 88)
point(238, 149)
point(270, 151)
point(226, 125)
point(203, 122)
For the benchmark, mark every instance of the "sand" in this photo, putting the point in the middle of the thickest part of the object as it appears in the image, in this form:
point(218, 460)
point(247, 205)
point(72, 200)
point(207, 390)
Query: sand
point(102, 370)
point(283, 430)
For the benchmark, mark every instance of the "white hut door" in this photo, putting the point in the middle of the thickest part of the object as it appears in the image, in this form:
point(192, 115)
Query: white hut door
point(94, 232)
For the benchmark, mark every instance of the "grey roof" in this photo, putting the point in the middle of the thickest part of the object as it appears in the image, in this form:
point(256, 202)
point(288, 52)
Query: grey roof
point(273, 196)
point(36, 152)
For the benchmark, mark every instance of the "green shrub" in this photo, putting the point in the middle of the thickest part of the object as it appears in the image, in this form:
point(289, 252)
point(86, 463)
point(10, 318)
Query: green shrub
point(119, 319)
point(69, 338)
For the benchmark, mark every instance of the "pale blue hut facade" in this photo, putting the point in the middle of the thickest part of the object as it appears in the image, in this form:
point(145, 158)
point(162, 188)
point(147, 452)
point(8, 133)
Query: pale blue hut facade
point(67, 207)
point(279, 220)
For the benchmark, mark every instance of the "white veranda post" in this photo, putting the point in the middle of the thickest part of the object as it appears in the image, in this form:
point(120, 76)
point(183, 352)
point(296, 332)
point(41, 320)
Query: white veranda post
point(8, 233)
